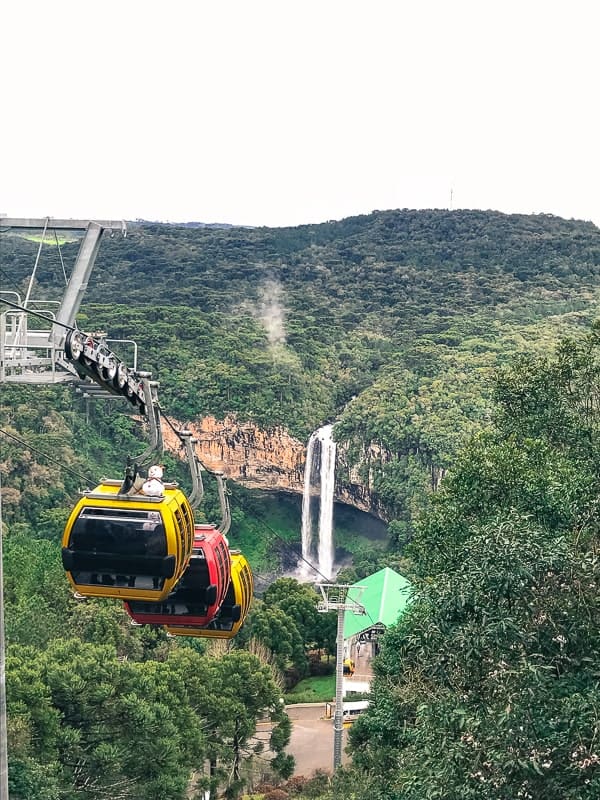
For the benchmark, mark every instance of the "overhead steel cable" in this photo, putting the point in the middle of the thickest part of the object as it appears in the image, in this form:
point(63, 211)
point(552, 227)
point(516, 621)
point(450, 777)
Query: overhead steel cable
point(292, 549)
point(263, 522)
point(181, 438)
point(175, 430)
point(37, 261)
point(36, 314)
point(46, 456)
point(87, 480)
point(301, 557)
point(62, 263)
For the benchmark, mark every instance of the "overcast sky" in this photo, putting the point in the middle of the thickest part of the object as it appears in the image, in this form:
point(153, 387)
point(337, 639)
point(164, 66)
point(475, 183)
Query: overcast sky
point(264, 112)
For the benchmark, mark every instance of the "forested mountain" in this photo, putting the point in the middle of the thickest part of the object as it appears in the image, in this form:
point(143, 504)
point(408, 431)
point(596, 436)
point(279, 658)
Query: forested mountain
point(390, 324)
point(388, 261)
point(421, 334)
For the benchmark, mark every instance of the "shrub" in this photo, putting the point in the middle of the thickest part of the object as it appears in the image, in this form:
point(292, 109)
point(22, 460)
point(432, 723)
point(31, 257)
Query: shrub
point(322, 668)
point(295, 785)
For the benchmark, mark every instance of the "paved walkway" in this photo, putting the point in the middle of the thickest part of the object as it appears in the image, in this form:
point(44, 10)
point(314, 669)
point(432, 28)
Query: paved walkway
point(311, 742)
point(362, 656)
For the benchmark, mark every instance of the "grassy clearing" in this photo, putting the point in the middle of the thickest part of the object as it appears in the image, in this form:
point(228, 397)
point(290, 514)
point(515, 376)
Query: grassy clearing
point(320, 689)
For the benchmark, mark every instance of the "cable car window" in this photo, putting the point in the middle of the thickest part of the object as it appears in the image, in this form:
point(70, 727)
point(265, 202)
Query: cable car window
point(196, 577)
point(247, 591)
point(119, 531)
point(123, 547)
point(220, 563)
point(189, 526)
point(222, 622)
point(168, 606)
point(179, 528)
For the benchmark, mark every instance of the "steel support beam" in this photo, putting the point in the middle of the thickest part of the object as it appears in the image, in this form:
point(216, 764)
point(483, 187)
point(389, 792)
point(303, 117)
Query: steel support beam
point(336, 597)
point(338, 717)
point(77, 282)
point(32, 223)
point(82, 269)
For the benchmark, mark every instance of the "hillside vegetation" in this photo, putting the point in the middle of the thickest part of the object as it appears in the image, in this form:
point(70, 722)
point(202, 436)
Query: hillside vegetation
point(456, 351)
point(391, 323)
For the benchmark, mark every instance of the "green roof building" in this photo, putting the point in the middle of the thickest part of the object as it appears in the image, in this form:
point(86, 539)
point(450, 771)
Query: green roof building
point(385, 598)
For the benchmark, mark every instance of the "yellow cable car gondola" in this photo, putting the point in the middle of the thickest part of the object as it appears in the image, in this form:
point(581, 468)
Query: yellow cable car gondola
point(128, 546)
point(234, 610)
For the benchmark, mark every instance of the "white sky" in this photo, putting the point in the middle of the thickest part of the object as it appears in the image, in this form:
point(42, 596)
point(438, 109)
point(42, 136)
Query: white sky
point(279, 112)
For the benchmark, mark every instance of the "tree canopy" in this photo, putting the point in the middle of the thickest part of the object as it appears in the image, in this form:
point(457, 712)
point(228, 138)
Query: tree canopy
point(403, 327)
point(488, 686)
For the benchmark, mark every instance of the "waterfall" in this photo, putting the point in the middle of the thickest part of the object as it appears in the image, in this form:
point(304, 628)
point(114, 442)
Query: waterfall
point(326, 549)
point(306, 512)
point(323, 458)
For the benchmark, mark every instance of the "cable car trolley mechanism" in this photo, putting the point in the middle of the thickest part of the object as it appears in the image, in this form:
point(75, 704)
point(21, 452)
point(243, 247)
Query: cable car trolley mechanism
point(131, 538)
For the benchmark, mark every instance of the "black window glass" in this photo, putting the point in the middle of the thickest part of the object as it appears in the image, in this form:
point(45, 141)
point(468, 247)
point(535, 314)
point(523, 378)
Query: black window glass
point(120, 532)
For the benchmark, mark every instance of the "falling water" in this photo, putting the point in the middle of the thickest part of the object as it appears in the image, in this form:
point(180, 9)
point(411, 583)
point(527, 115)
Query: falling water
point(325, 454)
point(306, 513)
point(328, 448)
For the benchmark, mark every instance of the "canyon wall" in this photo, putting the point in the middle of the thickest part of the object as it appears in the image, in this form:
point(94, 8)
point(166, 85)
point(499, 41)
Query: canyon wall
point(264, 459)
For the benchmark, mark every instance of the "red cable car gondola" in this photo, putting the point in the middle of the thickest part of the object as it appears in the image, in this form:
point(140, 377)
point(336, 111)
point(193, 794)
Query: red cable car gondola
point(201, 590)
point(233, 612)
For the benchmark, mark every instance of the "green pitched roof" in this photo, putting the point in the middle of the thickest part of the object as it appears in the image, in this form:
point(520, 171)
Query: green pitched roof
point(385, 598)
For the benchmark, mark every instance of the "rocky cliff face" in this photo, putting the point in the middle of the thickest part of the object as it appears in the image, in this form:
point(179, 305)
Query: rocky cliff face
point(256, 458)
point(351, 488)
point(265, 459)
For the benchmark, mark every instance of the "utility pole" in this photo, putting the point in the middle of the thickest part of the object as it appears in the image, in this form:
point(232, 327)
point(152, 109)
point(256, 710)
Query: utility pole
point(336, 598)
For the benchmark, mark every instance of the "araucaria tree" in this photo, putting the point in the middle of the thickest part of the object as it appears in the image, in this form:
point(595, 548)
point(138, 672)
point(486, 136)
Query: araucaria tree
point(488, 689)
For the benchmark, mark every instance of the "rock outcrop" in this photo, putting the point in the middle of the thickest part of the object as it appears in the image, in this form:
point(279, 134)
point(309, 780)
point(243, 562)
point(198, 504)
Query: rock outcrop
point(264, 459)
point(245, 453)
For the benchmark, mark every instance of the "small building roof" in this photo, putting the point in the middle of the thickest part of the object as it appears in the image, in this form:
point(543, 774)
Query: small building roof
point(385, 598)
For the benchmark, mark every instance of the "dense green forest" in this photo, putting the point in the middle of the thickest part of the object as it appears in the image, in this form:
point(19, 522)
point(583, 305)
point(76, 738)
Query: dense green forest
point(488, 687)
point(391, 324)
point(456, 351)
